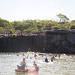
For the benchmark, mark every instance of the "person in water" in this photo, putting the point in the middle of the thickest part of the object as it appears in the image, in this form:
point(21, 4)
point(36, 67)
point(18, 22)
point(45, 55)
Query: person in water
point(52, 58)
point(35, 55)
point(46, 60)
point(35, 65)
point(23, 65)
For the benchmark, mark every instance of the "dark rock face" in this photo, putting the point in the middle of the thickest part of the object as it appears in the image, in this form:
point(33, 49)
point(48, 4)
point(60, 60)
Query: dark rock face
point(50, 42)
point(61, 41)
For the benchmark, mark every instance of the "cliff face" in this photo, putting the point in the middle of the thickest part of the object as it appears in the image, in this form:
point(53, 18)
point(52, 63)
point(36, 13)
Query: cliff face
point(48, 41)
point(60, 41)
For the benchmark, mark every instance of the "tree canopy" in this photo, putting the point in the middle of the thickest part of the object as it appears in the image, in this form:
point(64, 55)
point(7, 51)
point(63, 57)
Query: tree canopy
point(29, 26)
point(63, 18)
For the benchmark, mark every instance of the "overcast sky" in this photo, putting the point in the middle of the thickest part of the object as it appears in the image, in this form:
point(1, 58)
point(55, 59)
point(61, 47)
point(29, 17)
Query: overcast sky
point(36, 9)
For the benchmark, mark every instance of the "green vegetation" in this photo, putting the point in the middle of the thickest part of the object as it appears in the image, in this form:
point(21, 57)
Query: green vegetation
point(29, 26)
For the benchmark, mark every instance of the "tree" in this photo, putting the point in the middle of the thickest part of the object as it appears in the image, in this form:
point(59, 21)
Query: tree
point(63, 18)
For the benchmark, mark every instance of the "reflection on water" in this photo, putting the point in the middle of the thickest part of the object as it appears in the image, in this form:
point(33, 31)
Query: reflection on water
point(22, 73)
point(65, 65)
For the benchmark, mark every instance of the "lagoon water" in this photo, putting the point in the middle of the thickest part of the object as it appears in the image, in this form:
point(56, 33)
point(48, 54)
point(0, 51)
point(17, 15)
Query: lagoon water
point(65, 65)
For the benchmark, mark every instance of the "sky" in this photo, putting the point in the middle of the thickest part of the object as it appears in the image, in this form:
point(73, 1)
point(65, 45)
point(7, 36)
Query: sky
point(36, 9)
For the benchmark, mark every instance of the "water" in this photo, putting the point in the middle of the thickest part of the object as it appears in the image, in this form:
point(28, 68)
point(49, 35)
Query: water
point(63, 66)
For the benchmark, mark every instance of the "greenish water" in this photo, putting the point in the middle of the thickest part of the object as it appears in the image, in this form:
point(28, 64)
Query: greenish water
point(63, 66)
